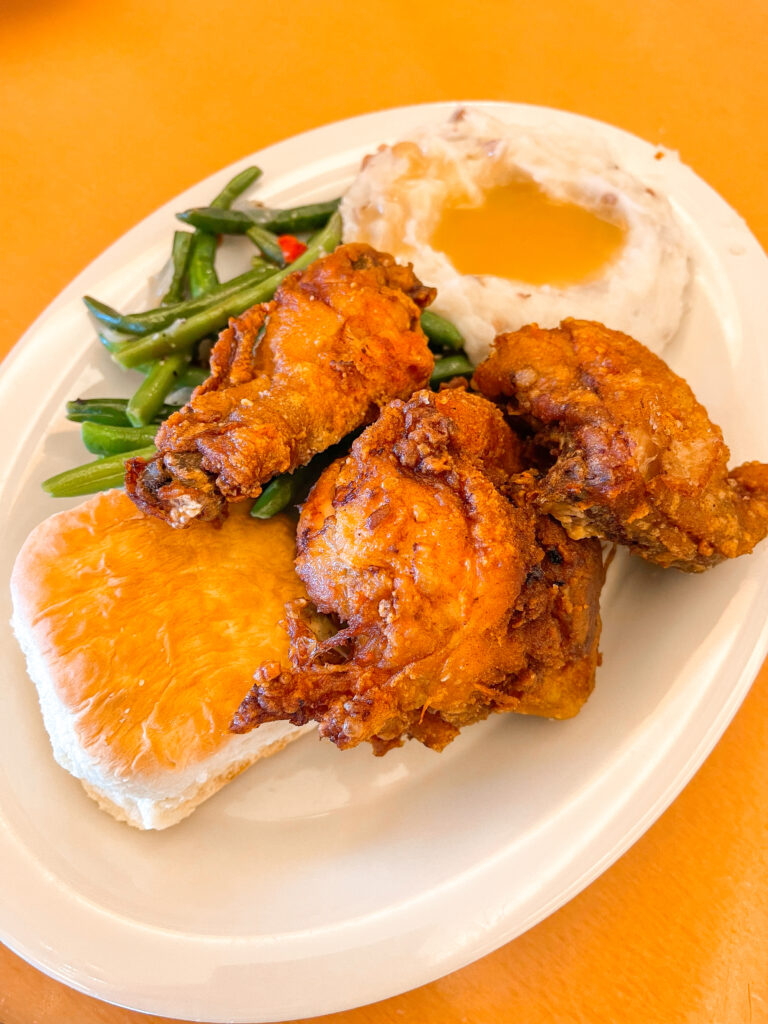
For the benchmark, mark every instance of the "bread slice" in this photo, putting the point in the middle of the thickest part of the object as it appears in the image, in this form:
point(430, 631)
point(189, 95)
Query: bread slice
point(142, 640)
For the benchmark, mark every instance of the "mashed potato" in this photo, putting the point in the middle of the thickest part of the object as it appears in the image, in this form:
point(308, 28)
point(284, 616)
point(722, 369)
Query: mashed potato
point(398, 198)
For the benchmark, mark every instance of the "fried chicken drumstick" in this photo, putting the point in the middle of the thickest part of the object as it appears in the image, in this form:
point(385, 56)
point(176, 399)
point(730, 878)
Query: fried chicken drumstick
point(340, 340)
point(638, 461)
point(455, 600)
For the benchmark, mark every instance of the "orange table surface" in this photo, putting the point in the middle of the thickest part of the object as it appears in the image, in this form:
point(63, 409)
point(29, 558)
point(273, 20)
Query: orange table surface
point(110, 109)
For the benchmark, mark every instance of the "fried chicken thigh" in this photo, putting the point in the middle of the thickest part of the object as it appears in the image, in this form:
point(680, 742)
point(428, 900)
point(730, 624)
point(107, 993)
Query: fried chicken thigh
point(636, 459)
point(339, 341)
point(455, 600)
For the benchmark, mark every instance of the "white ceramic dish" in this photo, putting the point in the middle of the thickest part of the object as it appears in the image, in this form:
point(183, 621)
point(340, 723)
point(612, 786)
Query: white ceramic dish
point(319, 880)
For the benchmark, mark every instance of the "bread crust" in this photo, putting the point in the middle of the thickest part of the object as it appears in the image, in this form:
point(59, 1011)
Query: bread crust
point(160, 814)
point(141, 639)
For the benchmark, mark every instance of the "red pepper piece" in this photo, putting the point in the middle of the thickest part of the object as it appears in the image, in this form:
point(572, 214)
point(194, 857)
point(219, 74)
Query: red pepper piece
point(291, 246)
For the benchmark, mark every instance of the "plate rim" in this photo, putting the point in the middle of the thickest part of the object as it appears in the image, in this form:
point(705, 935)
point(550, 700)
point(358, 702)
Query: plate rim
point(496, 936)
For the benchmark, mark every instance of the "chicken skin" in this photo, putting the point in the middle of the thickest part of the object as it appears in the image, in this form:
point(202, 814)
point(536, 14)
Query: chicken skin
point(340, 340)
point(636, 459)
point(454, 600)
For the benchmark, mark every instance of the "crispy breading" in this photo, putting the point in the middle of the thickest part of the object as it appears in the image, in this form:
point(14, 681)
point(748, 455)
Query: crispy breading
point(340, 340)
point(637, 460)
point(454, 600)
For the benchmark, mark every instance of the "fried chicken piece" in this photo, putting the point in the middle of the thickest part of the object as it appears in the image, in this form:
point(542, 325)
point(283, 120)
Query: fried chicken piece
point(340, 340)
point(456, 601)
point(637, 460)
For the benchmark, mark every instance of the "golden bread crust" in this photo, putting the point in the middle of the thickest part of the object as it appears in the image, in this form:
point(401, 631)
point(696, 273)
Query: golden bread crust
point(150, 635)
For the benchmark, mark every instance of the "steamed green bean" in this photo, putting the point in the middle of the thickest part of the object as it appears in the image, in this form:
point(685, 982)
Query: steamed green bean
point(139, 324)
point(102, 439)
point(267, 244)
point(440, 333)
point(450, 366)
point(202, 272)
point(182, 335)
point(180, 253)
point(93, 476)
point(282, 222)
point(161, 380)
point(109, 411)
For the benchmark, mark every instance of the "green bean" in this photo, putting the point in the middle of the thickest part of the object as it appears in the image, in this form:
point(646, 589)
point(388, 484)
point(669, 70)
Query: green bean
point(236, 187)
point(220, 222)
point(188, 378)
point(286, 489)
point(282, 222)
point(113, 347)
point(111, 337)
point(296, 219)
point(192, 377)
point(451, 366)
point(440, 333)
point(93, 476)
point(292, 488)
point(102, 439)
point(109, 411)
point(139, 324)
point(105, 314)
point(202, 273)
point(181, 336)
point(180, 253)
point(113, 341)
point(267, 244)
point(155, 388)
point(276, 496)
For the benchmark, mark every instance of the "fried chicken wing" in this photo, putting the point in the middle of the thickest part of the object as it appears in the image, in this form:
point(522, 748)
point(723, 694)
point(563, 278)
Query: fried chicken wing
point(340, 340)
point(637, 460)
point(455, 601)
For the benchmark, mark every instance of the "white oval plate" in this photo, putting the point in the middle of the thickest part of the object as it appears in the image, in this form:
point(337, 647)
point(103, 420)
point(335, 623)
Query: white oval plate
point(318, 880)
